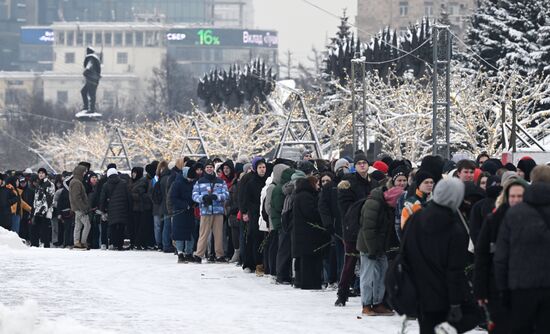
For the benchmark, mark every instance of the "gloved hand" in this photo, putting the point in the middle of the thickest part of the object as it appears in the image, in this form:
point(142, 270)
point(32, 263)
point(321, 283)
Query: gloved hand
point(213, 197)
point(206, 200)
point(455, 314)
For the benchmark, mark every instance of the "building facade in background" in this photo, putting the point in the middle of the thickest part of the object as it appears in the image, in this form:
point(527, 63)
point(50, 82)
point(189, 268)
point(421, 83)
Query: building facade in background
point(374, 15)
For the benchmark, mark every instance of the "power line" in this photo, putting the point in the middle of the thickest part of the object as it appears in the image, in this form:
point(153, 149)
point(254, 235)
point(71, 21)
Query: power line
point(30, 149)
point(400, 57)
point(472, 51)
point(361, 30)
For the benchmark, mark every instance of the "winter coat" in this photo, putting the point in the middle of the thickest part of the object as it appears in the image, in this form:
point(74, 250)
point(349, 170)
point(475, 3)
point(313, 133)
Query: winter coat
point(484, 274)
point(478, 215)
point(351, 189)
point(436, 248)
point(522, 258)
point(242, 198)
point(181, 195)
point(329, 210)
point(232, 204)
point(263, 220)
point(43, 198)
point(77, 191)
point(150, 186)
point(116, 200)
point(307, 235)
point(175, 172)
point(164, 178)
point(210, 185)
point(376, 224)
point(252, 191)
point(20, 206)
point(278, 199)
point(140, 201)
point(63, 201)
point(7, 199)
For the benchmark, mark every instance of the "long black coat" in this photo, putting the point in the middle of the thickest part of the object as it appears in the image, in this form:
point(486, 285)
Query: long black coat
point(484, 274)
point(436, 247)
point(116, 200)
point(140, 199)
point(181, 195)
point(306, 238)
point(522, 259)
point(328, 208)
point(252, 190)
point(7, 199)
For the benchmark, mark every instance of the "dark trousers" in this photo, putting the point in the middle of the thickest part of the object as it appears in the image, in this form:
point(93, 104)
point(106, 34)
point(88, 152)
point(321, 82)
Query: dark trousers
point(272, 252)
point(68, 232)
point(530, 311)
point(310, 272)
point(265, 261)
point(428, 320)
point(116, 233)
point(500, 315)
point(254, 239)
point(143, 229)
point(41, 230)
point(104, 233)
point(24, 227)
point(235, 237)
point(89, 91)
point(348, 273)
point(60, 232)
point(284, 257)
point(93, 236)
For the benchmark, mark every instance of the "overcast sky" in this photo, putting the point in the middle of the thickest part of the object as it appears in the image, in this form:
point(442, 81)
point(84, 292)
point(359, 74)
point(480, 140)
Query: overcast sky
point(300, 25)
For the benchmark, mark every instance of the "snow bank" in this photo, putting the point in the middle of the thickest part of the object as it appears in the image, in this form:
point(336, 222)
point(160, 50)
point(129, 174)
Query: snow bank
point(23, 319)
point(11, 240)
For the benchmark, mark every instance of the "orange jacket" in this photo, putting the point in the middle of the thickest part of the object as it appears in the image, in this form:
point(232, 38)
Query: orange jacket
point(23, 206)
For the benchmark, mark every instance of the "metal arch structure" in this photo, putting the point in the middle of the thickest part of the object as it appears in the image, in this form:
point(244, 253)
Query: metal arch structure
point(299, 129)
point(116, 150)
point(192, 139)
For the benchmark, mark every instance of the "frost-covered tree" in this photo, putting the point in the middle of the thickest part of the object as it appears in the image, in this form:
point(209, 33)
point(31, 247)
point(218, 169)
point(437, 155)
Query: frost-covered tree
point(507, 33)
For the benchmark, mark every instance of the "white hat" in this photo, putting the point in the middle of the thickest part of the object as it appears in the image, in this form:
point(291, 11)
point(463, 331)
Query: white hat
point(111, 171)
point(27, 171)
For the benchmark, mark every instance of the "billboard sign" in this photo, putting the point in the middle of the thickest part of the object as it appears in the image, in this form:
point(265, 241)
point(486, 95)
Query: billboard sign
point(223, 37)
point(37, 36)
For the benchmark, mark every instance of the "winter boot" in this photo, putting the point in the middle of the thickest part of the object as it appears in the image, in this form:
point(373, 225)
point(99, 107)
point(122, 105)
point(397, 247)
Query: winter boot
point(368, 311)
point(342, 298)
point(77, 244)
point(260, 270)
point(197, 259)
point(235, 257)
point(380, 309)
point(181, 258)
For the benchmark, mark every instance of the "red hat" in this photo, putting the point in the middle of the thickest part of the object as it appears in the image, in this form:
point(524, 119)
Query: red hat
point(477, 173)
point(381, 166)
point(526, 158)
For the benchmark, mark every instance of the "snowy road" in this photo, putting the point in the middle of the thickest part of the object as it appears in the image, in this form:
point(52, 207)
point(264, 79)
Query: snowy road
point(147, 292)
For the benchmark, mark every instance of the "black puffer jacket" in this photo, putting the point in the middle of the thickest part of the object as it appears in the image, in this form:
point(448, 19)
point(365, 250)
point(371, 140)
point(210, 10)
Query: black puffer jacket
point(307, 234)
point(328, 208)
point(436, 247)
point(251, 192)
point(116, 200)
point(522, 259)
point(484, 274)
point(481, 210)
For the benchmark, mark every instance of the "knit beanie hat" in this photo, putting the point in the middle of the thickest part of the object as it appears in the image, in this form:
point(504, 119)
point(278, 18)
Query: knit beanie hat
point(341, 163)
point(360, 157)
point(399, 171)
point(111, 171)
point(378, 175)
point(449, 193)
point(421, 176)
point(381, 166)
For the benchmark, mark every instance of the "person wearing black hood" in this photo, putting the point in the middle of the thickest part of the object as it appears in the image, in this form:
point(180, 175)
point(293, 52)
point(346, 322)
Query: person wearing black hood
point(116, 202)
point(521, 261)
point(524, 168)
point(250, 211)
point(141, 208)
point(308, 238)
point(92, 74)
point(484, 207)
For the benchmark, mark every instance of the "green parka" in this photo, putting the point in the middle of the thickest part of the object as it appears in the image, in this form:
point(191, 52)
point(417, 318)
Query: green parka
point(278, 199)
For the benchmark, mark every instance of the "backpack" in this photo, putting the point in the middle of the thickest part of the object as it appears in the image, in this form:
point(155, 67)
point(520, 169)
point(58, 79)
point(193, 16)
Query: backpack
point(157, 195)
point(399, 281)
point(352, 221)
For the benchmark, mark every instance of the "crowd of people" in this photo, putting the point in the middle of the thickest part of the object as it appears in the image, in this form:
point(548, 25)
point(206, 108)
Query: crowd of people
point(475, 233)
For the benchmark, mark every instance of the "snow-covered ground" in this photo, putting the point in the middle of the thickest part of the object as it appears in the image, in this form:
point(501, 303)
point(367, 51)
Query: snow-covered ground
point(47, 291)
